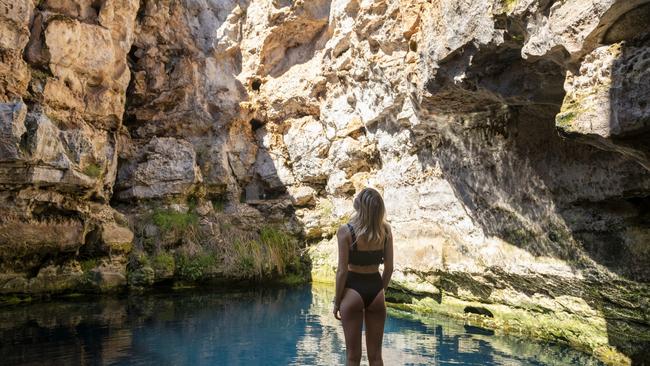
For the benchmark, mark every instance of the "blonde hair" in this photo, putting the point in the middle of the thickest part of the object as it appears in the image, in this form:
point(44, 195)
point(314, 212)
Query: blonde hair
point(369, 218)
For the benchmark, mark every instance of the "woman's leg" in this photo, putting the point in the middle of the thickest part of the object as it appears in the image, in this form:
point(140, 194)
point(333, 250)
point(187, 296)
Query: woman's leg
point(352, 319)
point(375, 318)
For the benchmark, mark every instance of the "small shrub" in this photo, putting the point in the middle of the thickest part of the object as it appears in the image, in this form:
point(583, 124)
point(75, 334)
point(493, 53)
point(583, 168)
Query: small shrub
point(163, 262)
point(193, 268)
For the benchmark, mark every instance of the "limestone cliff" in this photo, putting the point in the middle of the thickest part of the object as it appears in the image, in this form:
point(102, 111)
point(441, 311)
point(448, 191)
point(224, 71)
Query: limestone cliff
point(148, 140)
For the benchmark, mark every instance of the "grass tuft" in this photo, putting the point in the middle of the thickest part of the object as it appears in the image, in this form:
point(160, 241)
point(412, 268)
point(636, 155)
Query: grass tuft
point(169, 220)
point(274, 252)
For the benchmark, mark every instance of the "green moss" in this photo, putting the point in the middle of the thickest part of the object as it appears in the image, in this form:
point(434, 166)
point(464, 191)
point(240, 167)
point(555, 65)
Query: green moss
point(169, 220)
point(515, 229)
point(519, 236)
point(588, 334)
point(323, 263)
point(93, 170)
point(565, 119)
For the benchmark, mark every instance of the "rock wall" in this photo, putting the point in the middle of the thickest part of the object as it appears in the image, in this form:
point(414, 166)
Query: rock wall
point(196, 139)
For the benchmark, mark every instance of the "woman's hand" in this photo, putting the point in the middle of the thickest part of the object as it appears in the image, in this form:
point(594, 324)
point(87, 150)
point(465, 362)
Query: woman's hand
point(337, 312)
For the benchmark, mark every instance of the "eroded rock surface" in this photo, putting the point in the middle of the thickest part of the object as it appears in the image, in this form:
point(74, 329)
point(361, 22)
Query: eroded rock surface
point(509, 140)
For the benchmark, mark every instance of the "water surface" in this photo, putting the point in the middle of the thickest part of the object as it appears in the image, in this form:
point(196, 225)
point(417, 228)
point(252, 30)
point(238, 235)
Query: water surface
point(273, 326)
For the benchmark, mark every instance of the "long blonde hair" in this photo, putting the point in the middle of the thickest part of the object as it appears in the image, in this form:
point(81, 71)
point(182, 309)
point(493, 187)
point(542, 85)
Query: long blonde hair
point(369, 218)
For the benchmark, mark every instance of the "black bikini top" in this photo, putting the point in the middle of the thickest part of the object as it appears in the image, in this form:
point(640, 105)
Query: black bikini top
point(363, 257)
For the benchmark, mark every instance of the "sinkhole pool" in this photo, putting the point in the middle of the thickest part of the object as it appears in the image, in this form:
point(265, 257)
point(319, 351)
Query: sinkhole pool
point(264, 326)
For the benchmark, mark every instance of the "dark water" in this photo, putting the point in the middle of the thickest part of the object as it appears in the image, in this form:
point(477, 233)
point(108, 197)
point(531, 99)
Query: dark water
point(260, 327)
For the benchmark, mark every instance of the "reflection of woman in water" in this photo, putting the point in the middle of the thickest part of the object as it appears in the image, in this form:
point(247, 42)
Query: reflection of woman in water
point(364, 243)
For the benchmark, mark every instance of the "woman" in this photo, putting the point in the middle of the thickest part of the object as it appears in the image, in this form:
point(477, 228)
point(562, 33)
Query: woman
point(364, 243)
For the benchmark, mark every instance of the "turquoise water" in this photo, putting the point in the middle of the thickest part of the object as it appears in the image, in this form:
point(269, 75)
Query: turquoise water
point(272, 326)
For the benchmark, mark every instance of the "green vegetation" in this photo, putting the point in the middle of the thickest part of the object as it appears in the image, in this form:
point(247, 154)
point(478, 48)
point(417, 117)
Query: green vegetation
point(14, 299)
point(520, 236)
point(93, 170)
point(192, 202)
point(163, 262)
point(195, 267)
point(282, 248)
point(275, 252)
point(139, 259)
point(565, 119)
point(248, 256)
point(172, 221)
point(293, 279)
point(218, 204)
point(88, 264)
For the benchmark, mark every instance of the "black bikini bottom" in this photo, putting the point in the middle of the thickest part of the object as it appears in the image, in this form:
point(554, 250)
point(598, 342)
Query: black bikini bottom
point(367, 285)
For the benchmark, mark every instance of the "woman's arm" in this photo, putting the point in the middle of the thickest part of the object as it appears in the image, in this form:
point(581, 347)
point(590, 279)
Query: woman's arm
point(342, 237)
point(388, 259)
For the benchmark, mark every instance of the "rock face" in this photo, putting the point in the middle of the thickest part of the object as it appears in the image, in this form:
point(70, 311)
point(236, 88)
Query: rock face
point(164, 139)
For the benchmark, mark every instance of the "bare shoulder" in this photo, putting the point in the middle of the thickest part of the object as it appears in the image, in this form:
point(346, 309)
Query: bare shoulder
point(343, 232)
point(388, 229)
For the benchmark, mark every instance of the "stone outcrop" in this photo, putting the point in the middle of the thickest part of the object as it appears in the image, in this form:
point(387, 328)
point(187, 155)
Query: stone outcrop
point(180, 139)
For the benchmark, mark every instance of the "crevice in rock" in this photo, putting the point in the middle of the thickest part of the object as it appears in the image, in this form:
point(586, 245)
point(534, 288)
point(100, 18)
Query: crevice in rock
point(478, 310)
